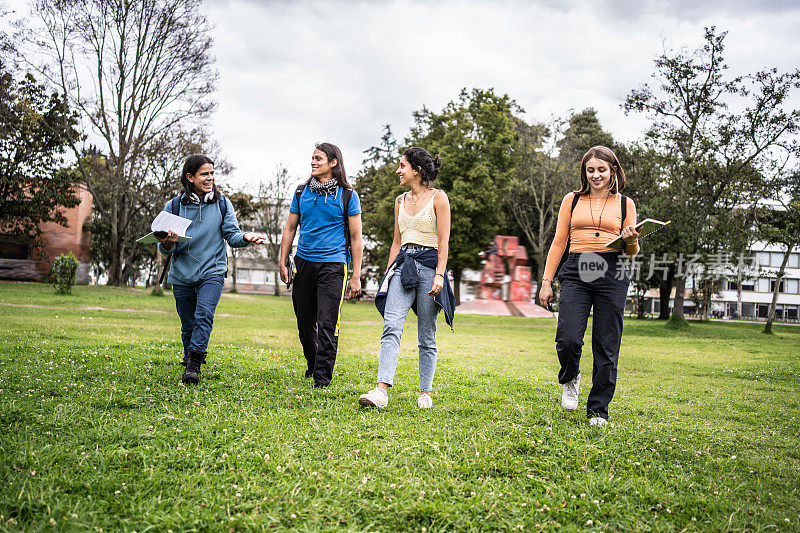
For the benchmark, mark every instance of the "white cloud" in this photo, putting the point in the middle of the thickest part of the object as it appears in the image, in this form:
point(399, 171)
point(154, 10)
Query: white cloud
point(294, 73)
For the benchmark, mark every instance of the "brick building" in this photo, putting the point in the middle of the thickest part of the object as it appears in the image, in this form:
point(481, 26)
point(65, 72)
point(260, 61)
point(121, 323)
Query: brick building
point(22, 261)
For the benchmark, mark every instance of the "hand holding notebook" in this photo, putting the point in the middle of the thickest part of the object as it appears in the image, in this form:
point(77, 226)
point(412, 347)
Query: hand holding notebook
point(644, 228)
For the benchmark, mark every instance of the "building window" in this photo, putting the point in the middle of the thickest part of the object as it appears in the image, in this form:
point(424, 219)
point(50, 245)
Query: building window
point(790, 312)
point(14, 249)
point(763, 259)
point(762, 285)
point(242, 274)
point(791, 286)
point(257, 277)
point(794, 259)
point(772, 285)
point(749, 285)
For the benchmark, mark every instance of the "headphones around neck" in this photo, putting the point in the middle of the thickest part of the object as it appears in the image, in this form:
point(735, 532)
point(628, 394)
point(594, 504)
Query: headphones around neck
point(207, 198)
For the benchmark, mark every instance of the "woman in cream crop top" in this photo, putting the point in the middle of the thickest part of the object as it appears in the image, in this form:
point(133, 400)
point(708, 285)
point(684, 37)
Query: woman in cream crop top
point(415, 276)
point(421, 227)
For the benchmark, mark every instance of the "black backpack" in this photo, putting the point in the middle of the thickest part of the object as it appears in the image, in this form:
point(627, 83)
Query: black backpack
point(346, 195)
point(575, 199)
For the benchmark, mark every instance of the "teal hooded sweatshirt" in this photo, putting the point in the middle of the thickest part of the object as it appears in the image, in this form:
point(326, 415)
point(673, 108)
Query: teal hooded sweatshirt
point(205, 254)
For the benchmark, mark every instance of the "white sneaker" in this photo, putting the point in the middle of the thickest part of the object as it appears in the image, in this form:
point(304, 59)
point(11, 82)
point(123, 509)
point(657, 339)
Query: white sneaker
point(597, 421)
point(425, 401)
point(569, 398)
point(374, 398)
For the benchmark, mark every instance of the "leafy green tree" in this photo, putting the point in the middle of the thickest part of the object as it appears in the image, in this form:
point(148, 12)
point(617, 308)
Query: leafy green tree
point(711, 130)
point(476, 138)
point(35, 126)
point(133, 70)
point(377, 186)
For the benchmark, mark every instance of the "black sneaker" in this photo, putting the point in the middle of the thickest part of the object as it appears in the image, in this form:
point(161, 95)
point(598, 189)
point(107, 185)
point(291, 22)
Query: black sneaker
point(309, 373)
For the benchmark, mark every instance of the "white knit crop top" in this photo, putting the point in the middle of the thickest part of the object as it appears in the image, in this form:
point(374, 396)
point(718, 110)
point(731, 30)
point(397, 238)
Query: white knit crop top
point(421, 228)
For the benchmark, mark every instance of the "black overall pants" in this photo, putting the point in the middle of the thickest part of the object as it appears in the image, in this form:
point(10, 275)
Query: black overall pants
point(592, 281)
point(317, 297)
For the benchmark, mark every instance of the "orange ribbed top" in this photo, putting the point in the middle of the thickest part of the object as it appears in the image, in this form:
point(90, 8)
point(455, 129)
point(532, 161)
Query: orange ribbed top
point(581, 227)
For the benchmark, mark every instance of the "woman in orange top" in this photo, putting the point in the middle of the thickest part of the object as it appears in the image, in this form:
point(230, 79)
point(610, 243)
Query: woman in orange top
point(593, 276)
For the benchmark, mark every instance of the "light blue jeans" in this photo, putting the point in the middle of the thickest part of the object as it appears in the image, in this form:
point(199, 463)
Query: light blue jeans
point(398, 303)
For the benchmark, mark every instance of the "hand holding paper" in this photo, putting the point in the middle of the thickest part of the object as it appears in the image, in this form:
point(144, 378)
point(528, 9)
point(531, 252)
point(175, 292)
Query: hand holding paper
point(163, 224)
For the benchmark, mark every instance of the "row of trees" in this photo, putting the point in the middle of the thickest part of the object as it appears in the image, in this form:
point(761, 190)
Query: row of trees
point(126, 86)
point(719, 160)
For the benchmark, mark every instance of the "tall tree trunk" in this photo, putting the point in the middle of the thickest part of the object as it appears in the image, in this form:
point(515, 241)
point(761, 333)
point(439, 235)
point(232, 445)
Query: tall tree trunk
point(677, 319)
point(778, 280)
point(640, 310)
point(665, 292)
point(157, 290)
point(277, 282)
point(739, 284)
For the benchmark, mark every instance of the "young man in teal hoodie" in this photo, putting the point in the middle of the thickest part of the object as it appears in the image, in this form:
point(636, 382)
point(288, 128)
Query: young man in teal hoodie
point(199, 266)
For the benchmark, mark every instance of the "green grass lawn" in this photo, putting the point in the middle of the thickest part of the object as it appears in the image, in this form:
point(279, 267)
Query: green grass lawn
point(97, 434)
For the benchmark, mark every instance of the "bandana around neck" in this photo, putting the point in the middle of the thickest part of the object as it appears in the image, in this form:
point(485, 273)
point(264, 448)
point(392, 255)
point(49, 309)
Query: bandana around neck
point(328, 188)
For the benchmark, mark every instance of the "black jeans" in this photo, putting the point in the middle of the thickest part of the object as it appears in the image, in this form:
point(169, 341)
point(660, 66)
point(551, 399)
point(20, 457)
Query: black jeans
point(599, 281)
point(317, 297)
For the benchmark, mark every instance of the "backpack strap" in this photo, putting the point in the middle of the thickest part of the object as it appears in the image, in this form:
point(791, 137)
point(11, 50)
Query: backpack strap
point(174, 205)
point(297, 194)
point(223, 206)
point(624, 211)
point(346, 195)
point(575, 199)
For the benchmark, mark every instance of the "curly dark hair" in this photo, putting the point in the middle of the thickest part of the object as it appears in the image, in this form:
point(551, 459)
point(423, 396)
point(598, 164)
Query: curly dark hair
point(423, 162)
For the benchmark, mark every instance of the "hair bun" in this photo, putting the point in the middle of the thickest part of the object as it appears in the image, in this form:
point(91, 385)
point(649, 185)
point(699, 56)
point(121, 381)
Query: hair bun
point(437, 162)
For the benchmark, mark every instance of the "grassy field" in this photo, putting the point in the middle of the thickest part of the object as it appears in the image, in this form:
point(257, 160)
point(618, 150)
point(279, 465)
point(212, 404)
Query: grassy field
point(97, 434)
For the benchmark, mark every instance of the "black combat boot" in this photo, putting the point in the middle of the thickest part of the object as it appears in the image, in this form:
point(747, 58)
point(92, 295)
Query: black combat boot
point(192, 373)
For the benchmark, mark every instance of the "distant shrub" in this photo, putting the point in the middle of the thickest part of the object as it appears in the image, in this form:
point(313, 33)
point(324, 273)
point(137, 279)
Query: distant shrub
point(63, 272)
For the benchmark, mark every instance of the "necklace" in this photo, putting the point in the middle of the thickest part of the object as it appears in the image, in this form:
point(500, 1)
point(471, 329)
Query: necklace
point(418, 197)
point(600, 221)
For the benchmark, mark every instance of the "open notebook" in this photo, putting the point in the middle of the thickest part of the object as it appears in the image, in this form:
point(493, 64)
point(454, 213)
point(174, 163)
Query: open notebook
point(645, 228)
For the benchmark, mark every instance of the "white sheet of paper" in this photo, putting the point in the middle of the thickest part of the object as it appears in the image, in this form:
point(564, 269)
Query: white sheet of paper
point(167, 222)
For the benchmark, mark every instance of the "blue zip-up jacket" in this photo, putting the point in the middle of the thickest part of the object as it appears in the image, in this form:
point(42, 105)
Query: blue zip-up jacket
point(205, 254)
point(409, 277)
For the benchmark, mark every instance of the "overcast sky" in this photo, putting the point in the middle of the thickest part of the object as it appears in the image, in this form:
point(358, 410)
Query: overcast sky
point(293, 73)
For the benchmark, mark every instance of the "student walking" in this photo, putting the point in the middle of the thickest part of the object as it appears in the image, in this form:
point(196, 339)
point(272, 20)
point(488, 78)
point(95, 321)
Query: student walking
point(328, 213)
point(416, 277)
point(199, 266)
point(592, 278)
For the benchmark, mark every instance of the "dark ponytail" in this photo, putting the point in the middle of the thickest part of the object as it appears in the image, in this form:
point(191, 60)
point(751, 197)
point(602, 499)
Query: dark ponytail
point(423, 162)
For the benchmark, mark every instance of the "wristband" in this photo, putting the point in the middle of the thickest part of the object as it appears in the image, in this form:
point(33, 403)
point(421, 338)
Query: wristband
point(547, 280)
point(439, 275)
